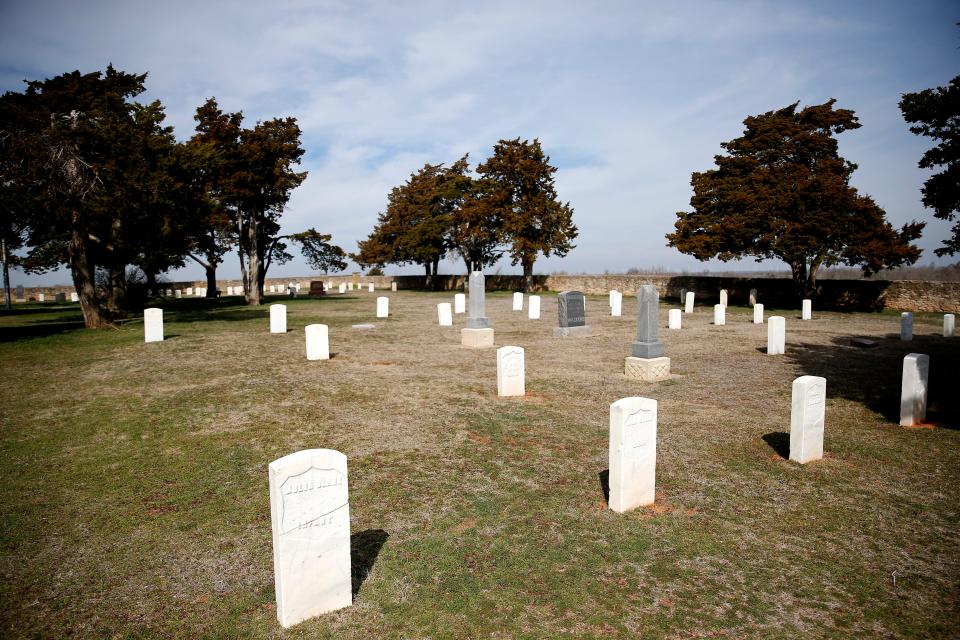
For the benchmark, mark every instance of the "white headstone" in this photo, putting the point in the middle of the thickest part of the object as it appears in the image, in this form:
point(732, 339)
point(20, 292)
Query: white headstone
point(758, 313)
point(318, 341)
point(168, 293)
point(949, 324)
point(688, 307)
point(518, 301)
point(460, 303)
point(393, 286)
point(753, 296)
point(906, 326)
point(383, 307)
point(153, 325)
point(807, 312)
point(719, 314)
point(533, 307)
point(806, 418)
point(723, 297)
point(616, 308)
point(673, 318)
point(278, 318)
point(189, 291)
point(633, 453)
point(610, 297)
point(310, 517)
point(41, 297)
point(343, 288)
point(74, 297)
point(273, 289)
point(370, 288)
point(178, 294)
point(349, 286)
point(444, 314)
point(776, 335)
point(229, 290)
point(913, 389)
point(510, 371)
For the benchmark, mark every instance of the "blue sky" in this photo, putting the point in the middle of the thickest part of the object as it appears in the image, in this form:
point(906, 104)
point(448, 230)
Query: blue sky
point(628, 98)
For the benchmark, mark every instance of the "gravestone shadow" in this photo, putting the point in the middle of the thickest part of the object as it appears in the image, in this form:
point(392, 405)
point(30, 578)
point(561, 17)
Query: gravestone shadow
point(779, 441)
point(604, 478)
point(40, 329)
point(364, 548)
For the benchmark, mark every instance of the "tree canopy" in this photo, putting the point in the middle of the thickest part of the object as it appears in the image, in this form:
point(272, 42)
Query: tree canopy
point(782, 191)
point(935, 113)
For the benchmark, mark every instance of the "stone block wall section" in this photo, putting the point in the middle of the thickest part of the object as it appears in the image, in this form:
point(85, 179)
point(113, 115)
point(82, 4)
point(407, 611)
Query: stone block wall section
point(852, 295)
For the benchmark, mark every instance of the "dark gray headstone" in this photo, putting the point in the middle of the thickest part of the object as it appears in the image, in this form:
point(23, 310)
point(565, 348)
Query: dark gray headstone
point(477, 306)
point(19, 292)
point(648, 311)
point(571, 309)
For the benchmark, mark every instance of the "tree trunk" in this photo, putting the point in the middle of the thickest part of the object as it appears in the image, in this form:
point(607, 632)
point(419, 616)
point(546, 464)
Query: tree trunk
point(429, 279)
point(82, 270)
point(6, 276)
point(254, 264)
point(151, 282)
point(211, 269)
point(527, 274)
point(118, 289)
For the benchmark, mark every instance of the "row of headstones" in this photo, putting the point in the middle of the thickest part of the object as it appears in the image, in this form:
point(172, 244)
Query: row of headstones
point(348, 286)
point(445, 312)
point(59, 297)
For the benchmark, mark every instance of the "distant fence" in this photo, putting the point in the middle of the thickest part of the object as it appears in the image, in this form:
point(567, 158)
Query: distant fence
point(859, 295)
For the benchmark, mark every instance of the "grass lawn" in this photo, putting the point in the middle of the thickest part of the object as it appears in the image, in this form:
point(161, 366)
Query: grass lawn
point(134, 476)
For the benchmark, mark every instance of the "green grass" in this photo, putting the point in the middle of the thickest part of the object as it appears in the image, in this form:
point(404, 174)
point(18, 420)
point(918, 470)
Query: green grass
point(134, 485)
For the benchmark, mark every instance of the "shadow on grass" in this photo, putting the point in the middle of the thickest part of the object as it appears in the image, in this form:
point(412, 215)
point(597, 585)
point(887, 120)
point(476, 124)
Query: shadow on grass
point(364, 549)
point(779, 442)
point(873, 376)
point(604, 477)
point(41, 329)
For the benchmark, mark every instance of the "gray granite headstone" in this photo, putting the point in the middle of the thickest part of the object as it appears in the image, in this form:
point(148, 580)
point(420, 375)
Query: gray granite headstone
point(647, 344)
point(477, 319)
point(18, 293)
point(571, 309)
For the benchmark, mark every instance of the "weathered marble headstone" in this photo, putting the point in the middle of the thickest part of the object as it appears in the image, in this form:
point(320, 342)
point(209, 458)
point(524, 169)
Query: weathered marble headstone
point(393, 286)
point(610, 295)
point(688, 307)
point(518, 301)
point(310, 517)
point(913, 389)
point(318, 341)
point(444, 315)
point(753, 296)
point(571, 315)
point(41, 297)
point(673, 318)
point(633, 453)
point(478, 332)
point(273, 288)
point(723, 297)
point(19, 292)
point(343, 288)
point(229, 290)
point(510, 372)
point(647, 361)
point(168, 293)
point(370, 288)
point(719, 314)
point(807, 410)
point(683, 295)
point(533, 307)
point(74, 297)
point(153, 324)
point(906, 326)
point(758, 313)
point(60, 297)
point(278, 318)
point(383, 307)
point(459, 303)
point(776, 335)
point(349, 286)
point(616, 306)
point(807, 310)
point(949, 325)
point(178, 294)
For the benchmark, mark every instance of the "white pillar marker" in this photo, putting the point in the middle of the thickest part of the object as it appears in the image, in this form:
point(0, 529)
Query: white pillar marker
point(383, 307)
point(511, 372)
point(616, 306)
point(719, 314)
point(444, 314)
point(460, 303)
point(318, 341)
point(913, 389)
point(723, 297)
point(278, 318)
point(518, 301)
point(633, 453)
point(673, 318)
point(310, 518)
point(807, 312)
point(153, 324)
point(533, 307)
point(906, 326)
point(807, 410)
point(758, 313)
point(688, 304)
point(776, 335)
point(949, 323)
point(370, 288)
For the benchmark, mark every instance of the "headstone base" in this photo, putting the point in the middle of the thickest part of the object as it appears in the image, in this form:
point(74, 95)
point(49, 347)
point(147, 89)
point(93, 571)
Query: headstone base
point(647, 369)
point(576, 332)
point(476, 338)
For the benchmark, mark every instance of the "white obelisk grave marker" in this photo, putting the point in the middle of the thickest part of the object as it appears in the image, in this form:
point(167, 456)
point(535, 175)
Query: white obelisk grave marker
point(310, 513)
point(444, 314)
point(807, 311)
point(533, 307)
point(673, 318)
point(278, 318)
point(913, 389)
point(383, 307)
point(758, 313)
point(633, 453)
point(318, 341)
point(510, 372)
point(153, 325)
point(518, 301)
point(776, 335)
point(807, 410)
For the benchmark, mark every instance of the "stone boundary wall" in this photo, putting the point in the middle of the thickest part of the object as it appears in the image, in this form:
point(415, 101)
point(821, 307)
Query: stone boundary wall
point(860, 295)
